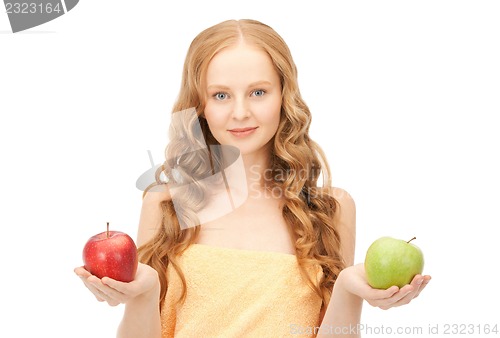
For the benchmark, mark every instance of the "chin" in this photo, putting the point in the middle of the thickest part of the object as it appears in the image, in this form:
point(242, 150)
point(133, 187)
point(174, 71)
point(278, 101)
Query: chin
point(262, 150)
point(244, 149)
point(250, 147)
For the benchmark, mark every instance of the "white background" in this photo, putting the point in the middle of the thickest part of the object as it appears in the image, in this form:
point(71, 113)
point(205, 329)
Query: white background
point(403, 95)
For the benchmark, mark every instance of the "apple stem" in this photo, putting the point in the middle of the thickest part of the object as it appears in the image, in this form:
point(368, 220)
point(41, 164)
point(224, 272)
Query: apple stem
point(411, 239)
point(107, 230)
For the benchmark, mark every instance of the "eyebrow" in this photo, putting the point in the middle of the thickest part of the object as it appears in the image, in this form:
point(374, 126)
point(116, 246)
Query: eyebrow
point(253, 84)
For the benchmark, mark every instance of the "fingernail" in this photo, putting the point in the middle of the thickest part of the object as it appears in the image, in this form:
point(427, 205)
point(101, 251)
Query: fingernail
point(420, 281)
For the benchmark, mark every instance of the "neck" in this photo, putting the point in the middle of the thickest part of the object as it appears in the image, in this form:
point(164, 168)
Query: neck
point(256, 168)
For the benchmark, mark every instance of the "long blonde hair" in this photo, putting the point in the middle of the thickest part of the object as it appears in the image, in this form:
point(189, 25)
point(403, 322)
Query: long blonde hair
point(296, 159)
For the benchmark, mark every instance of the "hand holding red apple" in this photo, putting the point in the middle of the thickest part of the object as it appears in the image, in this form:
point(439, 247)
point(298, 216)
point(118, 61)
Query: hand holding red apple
point(111, 254)
point(145, 285)
point(112, 272)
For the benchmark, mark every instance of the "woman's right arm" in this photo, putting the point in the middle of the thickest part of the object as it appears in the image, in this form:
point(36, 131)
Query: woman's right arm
point(141, 317)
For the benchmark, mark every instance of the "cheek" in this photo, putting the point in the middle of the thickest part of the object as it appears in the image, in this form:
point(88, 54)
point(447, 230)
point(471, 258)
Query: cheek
point(270, 113)
point(211, 115)
point(214, 117)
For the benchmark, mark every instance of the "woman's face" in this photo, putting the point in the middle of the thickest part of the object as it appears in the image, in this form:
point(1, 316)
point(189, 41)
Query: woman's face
point(243, 102)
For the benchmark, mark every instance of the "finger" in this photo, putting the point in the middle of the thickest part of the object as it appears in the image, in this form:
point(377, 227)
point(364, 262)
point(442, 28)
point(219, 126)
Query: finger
point(399, 297)
point(99, 299)
point(121, 287)
point(92, 282)
point(103, 298)
point(416, 284)
point(94, 291)
point(379, 298)
point(378, 294)
point(425, 281)
point(125, 289)
point(417, 280)
point(403, 299)
point(111, 295)
point(410, 289)
point(87, 280)
point(95, 286)
point(407, 293)
point(81, 272)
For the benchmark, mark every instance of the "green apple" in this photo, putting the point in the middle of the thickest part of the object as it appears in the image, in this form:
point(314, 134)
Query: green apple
point(391, 261)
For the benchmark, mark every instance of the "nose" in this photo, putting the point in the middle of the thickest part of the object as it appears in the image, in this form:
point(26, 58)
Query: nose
point(241, 109)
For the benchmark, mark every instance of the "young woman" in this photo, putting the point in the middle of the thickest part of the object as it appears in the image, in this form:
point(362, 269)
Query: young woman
point(278, 264)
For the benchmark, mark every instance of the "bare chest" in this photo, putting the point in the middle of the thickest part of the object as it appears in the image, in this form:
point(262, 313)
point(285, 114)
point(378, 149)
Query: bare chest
point(256, 225)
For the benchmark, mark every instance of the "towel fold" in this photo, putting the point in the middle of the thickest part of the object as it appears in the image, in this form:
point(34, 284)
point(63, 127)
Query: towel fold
point(240, 293)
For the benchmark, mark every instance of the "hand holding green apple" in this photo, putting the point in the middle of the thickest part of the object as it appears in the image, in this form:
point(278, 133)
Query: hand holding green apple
point(391, 261)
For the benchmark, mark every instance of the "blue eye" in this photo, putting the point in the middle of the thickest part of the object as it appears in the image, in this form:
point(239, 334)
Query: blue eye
point(259, 92)
point(220, 96)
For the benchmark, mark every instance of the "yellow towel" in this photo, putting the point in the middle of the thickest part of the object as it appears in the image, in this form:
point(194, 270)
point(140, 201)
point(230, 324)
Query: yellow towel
point(240, 293)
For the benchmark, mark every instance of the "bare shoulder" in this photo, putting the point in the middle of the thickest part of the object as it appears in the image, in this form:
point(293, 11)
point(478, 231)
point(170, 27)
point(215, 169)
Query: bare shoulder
point(345, 222)
point(341, 194)
point(151, 213)
point(343, 198)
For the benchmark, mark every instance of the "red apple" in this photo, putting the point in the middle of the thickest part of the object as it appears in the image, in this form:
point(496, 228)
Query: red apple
point(112, 254)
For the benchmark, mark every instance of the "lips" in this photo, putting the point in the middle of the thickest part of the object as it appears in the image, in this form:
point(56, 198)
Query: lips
point(241, 132)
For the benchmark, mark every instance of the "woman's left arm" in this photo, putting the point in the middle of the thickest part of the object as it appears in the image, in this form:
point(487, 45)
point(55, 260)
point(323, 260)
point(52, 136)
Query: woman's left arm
point(351, 304)
point(343, 314)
